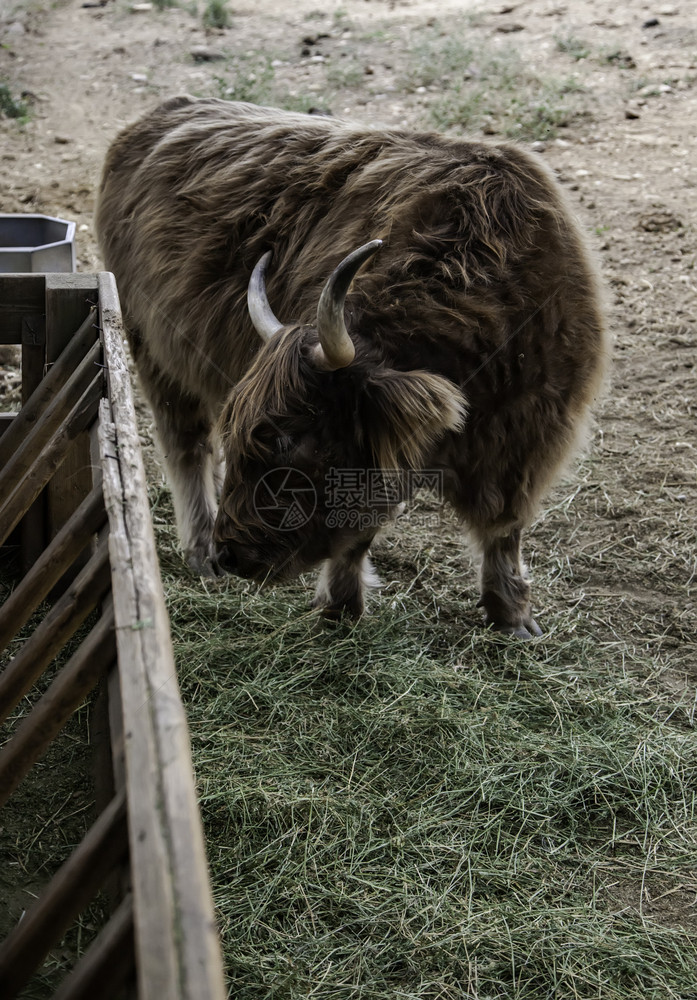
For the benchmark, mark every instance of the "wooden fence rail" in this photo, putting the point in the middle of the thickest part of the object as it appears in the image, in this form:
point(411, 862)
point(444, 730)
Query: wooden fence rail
point(72, 494)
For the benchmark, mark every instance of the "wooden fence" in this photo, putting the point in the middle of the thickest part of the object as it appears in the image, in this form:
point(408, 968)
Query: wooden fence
point(72, 495)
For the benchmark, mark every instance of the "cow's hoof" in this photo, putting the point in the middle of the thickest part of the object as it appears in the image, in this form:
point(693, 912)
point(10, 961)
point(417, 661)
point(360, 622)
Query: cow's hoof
point(529, 630)
point(203, 562)
point(339, 613)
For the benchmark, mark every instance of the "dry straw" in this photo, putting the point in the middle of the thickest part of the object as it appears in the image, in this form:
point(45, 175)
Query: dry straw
point(413, 807)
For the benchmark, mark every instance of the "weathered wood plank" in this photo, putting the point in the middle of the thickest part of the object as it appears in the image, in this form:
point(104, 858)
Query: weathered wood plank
point(69, 298)
point(32, 534)
point(107, 740)
point(118, 739)
point(32, 530)
point(56, 375)
point(61, 622)
point(20, 295)
point(108, 964)
point(64, 696)
point(53, 562)
point(177, 947)
point(53, 415)
point(69, 891)
point(33, 353)
point(53, 455)
point(155, 914)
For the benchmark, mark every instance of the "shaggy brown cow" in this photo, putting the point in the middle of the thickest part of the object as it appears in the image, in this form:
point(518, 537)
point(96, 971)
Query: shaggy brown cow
point(471, 346)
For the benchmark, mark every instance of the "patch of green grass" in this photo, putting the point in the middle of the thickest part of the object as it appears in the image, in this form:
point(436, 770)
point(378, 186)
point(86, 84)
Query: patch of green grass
point(248, 79)
point(252, 78)
point(535, 110)
point(380, 35)
point(413, 807)
point(345, 73)
point(577, 48)
point(216, 14)
point(440, 56)
point(12, 107)
point(487, 87)
point(570, 85)
point(541, 117)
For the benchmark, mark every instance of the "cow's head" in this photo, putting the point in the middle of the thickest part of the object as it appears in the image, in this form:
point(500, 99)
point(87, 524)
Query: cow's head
point(318, 437)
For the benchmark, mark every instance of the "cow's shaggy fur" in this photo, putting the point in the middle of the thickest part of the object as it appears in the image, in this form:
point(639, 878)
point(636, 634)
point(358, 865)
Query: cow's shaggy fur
point(478, 329)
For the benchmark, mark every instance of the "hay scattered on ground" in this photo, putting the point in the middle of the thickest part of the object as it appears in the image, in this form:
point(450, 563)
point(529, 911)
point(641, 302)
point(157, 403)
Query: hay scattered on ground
point(413, 807)
point(48, 815)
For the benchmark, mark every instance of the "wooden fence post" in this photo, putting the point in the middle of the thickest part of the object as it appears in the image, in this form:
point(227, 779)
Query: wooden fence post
point(69, 298)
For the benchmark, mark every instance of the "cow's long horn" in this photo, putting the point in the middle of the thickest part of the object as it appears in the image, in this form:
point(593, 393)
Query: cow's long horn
point(260, 312)
point(336, 347)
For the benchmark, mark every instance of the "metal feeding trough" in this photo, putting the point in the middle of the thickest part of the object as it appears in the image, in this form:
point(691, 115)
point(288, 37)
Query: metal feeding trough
point(36, 243)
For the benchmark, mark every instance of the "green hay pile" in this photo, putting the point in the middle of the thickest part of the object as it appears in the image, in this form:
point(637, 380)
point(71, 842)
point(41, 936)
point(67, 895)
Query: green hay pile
point(413, 807)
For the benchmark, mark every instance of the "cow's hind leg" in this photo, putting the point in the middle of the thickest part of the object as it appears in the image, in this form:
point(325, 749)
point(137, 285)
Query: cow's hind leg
point(185, 433)
point(505, 589)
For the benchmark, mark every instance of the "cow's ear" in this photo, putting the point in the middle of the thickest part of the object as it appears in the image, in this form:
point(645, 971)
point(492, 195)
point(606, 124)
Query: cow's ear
point(406, 413)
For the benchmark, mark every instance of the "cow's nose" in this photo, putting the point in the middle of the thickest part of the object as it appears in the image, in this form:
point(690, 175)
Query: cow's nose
point(226, 559)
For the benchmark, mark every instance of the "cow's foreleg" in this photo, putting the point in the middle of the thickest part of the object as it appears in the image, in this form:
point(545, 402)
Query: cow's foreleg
point(185, 434)
point(342, 582)
point(505, 588)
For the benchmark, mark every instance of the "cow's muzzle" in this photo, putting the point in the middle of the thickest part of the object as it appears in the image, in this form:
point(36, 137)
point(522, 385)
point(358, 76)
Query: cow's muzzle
point(226, 560)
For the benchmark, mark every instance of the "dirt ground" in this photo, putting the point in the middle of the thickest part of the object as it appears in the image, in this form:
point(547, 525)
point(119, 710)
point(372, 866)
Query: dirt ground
point(626, 150)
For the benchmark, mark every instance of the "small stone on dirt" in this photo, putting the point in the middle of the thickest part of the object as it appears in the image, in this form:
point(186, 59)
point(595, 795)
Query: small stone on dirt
point(652, 22)
point(651, 90)
point(622, 59)
point(659, 221)
point(201, 53)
